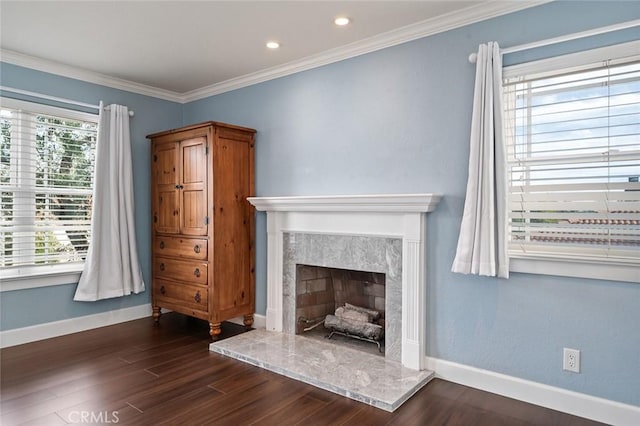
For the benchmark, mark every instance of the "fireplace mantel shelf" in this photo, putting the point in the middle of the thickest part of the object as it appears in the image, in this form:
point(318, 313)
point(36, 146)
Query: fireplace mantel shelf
point(396, 203)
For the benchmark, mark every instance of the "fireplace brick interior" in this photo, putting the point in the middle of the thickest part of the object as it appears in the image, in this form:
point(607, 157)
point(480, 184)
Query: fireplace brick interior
point(320, 290)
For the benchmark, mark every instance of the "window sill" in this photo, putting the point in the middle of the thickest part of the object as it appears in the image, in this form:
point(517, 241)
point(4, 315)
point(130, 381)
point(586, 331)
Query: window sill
point(578, 268)
point(47, 276)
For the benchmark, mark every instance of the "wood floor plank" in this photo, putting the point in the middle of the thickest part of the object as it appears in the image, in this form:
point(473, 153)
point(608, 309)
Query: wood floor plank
point(157, 397)
point(42, 409)
point(160, 360)
point(182, 363)
point(325, 396)
point(474, 415)
point(101, 394)
point(264, 405)
point(336, 412)
point(95, 409)
point(8, 405)
point(100, 415)
point(99, 377)
point(48, 420)
point(213, 367)
point(432, 404)
point(165, 374)
point(177, 346)
point(167, 388)
point(175, 408)
point(128, 415)
point(370, 416)
point(513, 409)
point(292, 414)
point(41, 378)
point(240, 381)
point(227, 405)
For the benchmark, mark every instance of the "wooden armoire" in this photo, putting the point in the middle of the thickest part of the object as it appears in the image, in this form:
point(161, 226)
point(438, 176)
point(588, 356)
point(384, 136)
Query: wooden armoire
point(203, 225)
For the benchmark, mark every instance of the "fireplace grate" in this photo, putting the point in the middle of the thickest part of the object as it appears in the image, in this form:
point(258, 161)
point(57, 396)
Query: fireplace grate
point(354, 336)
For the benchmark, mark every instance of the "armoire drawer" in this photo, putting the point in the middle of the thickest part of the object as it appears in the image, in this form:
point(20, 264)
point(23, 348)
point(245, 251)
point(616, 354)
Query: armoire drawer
point(193, 272)
point(181, 247)
point(194, 296)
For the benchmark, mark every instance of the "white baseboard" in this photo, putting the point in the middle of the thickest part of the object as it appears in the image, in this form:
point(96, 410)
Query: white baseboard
point(578, 404)
point(33, 333)
point(259, 321)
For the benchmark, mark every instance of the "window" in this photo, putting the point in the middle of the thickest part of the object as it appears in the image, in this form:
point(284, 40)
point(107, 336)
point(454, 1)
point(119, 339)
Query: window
point(47, 158)
point(572, 126)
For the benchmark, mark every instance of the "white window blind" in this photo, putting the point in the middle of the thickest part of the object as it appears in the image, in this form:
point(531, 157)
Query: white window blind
point(573, 135)
point(47, 160)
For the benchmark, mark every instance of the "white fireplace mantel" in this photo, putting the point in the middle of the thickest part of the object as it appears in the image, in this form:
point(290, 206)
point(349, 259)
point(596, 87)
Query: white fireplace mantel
point(393, 215)
point(399, 203)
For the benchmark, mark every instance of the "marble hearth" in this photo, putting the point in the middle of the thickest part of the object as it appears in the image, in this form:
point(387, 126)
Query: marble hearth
point(376, 233)
point(358, 375)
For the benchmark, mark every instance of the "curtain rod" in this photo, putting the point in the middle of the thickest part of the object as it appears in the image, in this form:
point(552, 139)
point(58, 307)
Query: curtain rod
point(596, 31)
point(52, 98)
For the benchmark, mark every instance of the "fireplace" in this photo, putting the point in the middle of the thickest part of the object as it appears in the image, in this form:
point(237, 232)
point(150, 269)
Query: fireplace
point(346, 306)
point(377, 233)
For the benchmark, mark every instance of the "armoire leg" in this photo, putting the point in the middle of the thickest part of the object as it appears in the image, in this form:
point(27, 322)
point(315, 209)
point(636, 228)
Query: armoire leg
point(215, 330)
point(248, 320)
point(156, 314)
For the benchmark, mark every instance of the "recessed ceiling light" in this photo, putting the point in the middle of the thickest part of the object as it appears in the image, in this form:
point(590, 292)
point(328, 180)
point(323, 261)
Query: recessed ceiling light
point(341, 21)
point(273, 44)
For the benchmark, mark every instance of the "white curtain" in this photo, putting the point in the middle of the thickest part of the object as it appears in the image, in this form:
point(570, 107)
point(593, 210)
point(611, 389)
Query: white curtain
point(112, 268)
point(482, 244)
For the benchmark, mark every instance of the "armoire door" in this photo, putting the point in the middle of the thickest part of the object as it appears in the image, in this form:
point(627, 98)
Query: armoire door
point(166, 210)
point(193, 186)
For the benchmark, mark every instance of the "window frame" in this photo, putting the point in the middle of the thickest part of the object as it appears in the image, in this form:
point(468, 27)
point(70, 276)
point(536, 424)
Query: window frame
point(33, 276)
point(583, 266)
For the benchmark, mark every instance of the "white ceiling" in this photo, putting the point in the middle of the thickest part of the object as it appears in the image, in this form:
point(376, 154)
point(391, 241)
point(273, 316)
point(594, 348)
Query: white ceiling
point(184, 46)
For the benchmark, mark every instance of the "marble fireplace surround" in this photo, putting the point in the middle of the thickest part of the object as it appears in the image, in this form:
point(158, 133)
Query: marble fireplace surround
point(380, 233)
point(348, 252)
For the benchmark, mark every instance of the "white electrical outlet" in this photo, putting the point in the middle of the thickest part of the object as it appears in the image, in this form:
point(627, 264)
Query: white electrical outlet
point(571, 360)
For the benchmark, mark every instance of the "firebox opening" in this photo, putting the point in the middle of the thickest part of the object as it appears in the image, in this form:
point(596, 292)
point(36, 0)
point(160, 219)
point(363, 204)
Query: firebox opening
point(320, 292)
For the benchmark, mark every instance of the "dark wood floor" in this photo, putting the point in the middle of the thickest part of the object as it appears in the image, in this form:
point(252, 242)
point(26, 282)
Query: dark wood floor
point(135, 373)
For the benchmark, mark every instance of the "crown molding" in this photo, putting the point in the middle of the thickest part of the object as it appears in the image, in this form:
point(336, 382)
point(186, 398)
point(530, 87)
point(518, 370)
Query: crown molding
point(460, 18)
point(53, 67)
point(457, 19)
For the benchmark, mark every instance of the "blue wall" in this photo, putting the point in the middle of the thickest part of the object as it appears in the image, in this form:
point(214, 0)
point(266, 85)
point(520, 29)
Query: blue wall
point(397, 121)
point(23, 308)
